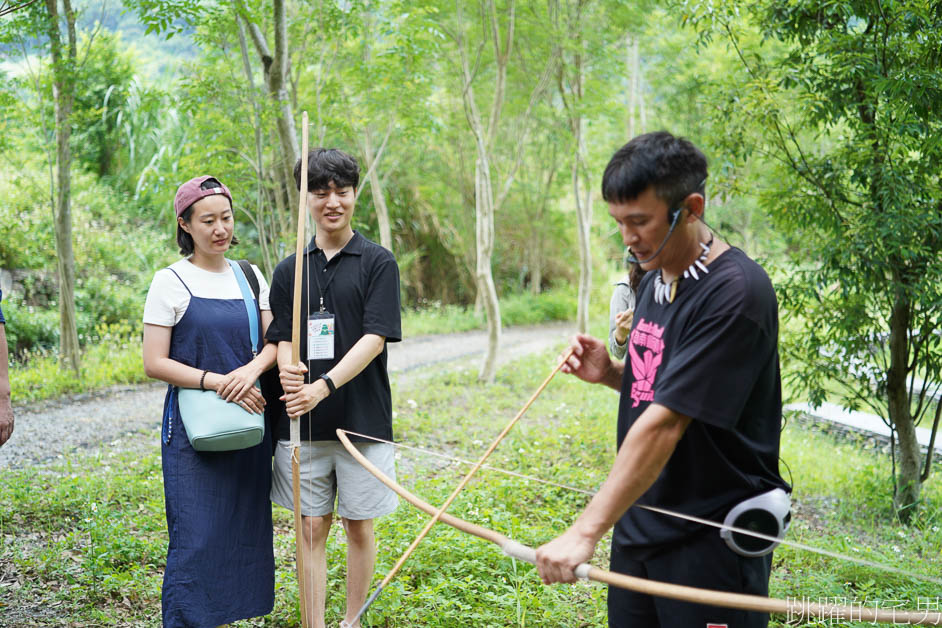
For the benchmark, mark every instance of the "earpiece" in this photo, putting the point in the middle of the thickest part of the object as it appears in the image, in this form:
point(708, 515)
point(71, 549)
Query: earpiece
point(673, 213)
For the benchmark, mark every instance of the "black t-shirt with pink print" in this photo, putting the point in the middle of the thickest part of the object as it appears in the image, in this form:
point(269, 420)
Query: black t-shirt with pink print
point(712, 355)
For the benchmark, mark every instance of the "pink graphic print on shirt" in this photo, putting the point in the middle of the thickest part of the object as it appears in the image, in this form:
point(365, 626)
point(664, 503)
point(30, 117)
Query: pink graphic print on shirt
point(646, 350)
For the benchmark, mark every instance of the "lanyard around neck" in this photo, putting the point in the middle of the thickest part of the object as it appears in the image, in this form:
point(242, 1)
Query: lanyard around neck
point(322, 291)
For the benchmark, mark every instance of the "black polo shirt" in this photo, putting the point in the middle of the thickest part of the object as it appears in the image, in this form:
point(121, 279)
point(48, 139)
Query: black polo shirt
point(363, 296)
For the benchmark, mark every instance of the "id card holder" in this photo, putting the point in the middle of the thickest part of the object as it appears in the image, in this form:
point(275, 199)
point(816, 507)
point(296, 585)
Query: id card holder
point(320, 336)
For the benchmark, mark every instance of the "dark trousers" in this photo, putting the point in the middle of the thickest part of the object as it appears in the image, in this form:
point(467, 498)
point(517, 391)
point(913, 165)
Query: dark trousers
point(705, 562)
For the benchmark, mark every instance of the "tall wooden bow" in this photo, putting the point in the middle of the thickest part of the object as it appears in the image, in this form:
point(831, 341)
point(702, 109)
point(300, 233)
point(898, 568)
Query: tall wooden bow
point(298, 323)
point(789, 607)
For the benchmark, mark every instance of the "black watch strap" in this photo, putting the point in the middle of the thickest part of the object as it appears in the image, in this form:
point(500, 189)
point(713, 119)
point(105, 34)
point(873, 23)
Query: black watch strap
point(330, 383)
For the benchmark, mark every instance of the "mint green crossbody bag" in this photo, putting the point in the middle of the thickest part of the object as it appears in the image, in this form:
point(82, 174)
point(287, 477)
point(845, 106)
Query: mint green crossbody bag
point(212, 423)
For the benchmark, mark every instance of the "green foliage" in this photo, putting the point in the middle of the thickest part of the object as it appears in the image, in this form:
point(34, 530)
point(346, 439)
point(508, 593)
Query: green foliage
point(528, 309)
point(91, 536)
point(29, 328)
point(135, 140)
point(112, 271)
point(516, 309)
point(113, 357)
point(168, 17)
point(102, 85)
point(842, 112)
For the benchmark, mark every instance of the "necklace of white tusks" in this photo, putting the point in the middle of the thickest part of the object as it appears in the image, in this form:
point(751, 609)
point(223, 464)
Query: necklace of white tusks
point(665, 293)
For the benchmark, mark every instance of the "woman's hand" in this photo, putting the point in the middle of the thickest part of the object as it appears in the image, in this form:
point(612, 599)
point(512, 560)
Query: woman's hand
point(623, 325)
point(252, 401)
point(250, 398)
point(235, 385)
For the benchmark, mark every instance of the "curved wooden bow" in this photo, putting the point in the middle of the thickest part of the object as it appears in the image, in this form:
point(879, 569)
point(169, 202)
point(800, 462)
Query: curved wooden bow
point(438, 512)
point(792, 608)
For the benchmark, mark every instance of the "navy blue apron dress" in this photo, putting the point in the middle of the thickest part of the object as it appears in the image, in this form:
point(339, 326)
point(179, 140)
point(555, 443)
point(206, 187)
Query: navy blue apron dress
point(220, 562)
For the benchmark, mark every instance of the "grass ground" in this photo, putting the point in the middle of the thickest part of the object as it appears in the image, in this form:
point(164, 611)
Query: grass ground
point(82, 543)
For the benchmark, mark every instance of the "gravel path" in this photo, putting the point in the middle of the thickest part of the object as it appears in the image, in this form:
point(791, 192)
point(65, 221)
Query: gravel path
point(131, 414)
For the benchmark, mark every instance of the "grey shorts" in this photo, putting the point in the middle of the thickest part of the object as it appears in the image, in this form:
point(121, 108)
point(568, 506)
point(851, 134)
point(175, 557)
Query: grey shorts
point(328, 472)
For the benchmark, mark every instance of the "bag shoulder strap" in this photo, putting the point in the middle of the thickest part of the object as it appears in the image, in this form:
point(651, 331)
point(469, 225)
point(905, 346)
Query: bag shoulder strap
point(250, 307)
point(250, 276)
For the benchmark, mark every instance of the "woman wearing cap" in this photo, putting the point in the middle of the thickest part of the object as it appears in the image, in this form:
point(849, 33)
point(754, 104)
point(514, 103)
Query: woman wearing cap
point(220, 563)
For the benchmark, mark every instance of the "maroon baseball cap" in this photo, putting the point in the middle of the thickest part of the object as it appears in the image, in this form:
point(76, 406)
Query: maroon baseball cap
point(190, 192)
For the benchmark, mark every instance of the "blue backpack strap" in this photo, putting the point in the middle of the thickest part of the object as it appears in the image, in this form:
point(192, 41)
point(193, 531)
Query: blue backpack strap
point(249, 304)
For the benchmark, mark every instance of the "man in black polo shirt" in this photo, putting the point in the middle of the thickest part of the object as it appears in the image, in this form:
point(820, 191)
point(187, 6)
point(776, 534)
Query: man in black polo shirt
point(350, 300)
point(700, 410)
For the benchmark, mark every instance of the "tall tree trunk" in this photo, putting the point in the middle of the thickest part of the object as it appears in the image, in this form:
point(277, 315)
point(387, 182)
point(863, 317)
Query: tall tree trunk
point(580, 182)
point(373, 157)
point(278, 87)
point(583, 197)
point(909, 481)
point(536, 264)
point(484, 224)
point(265, 238)
point(276, 79)
point(483, 191)
point(639, 87)
point(379, 199)
point(485, 137)
point(63, 88)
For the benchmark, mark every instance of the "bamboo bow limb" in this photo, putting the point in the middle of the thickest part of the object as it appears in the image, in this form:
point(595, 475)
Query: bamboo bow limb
point(439, 512)
point(295, 422)
point(792, 608)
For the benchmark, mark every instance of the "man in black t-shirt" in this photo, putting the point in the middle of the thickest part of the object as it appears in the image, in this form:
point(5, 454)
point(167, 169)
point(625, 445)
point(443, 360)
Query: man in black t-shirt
point(700, 410)
point(350, 309)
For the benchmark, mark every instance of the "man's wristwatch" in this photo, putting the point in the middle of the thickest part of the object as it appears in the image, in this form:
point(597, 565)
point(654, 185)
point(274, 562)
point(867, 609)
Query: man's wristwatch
point(329, 382)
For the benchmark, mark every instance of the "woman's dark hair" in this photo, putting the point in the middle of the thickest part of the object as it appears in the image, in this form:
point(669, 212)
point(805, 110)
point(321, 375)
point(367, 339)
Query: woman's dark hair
point(184, 239)
point(635, 275)
point(326, 165)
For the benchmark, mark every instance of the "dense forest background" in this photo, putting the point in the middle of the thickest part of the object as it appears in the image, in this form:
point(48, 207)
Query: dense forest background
point(151, 111)
point(482, 129)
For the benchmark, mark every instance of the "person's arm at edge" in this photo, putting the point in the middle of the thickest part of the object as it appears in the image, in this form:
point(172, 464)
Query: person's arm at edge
point(307, 396)
point(645, 451)
point(6, 407)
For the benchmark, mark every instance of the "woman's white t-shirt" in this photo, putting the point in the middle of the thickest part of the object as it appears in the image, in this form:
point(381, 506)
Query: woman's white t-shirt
point(168, 298)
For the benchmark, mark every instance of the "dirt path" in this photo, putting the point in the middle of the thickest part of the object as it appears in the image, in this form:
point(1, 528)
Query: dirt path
point(131, 414)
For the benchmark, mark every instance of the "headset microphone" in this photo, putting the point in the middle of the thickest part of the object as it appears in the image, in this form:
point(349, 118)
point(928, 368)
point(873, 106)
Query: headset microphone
point(675, 216)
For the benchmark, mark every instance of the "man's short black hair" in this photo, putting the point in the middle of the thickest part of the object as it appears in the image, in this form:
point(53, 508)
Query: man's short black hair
point(328, 164)
point(673, 165)
point(184, 239)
